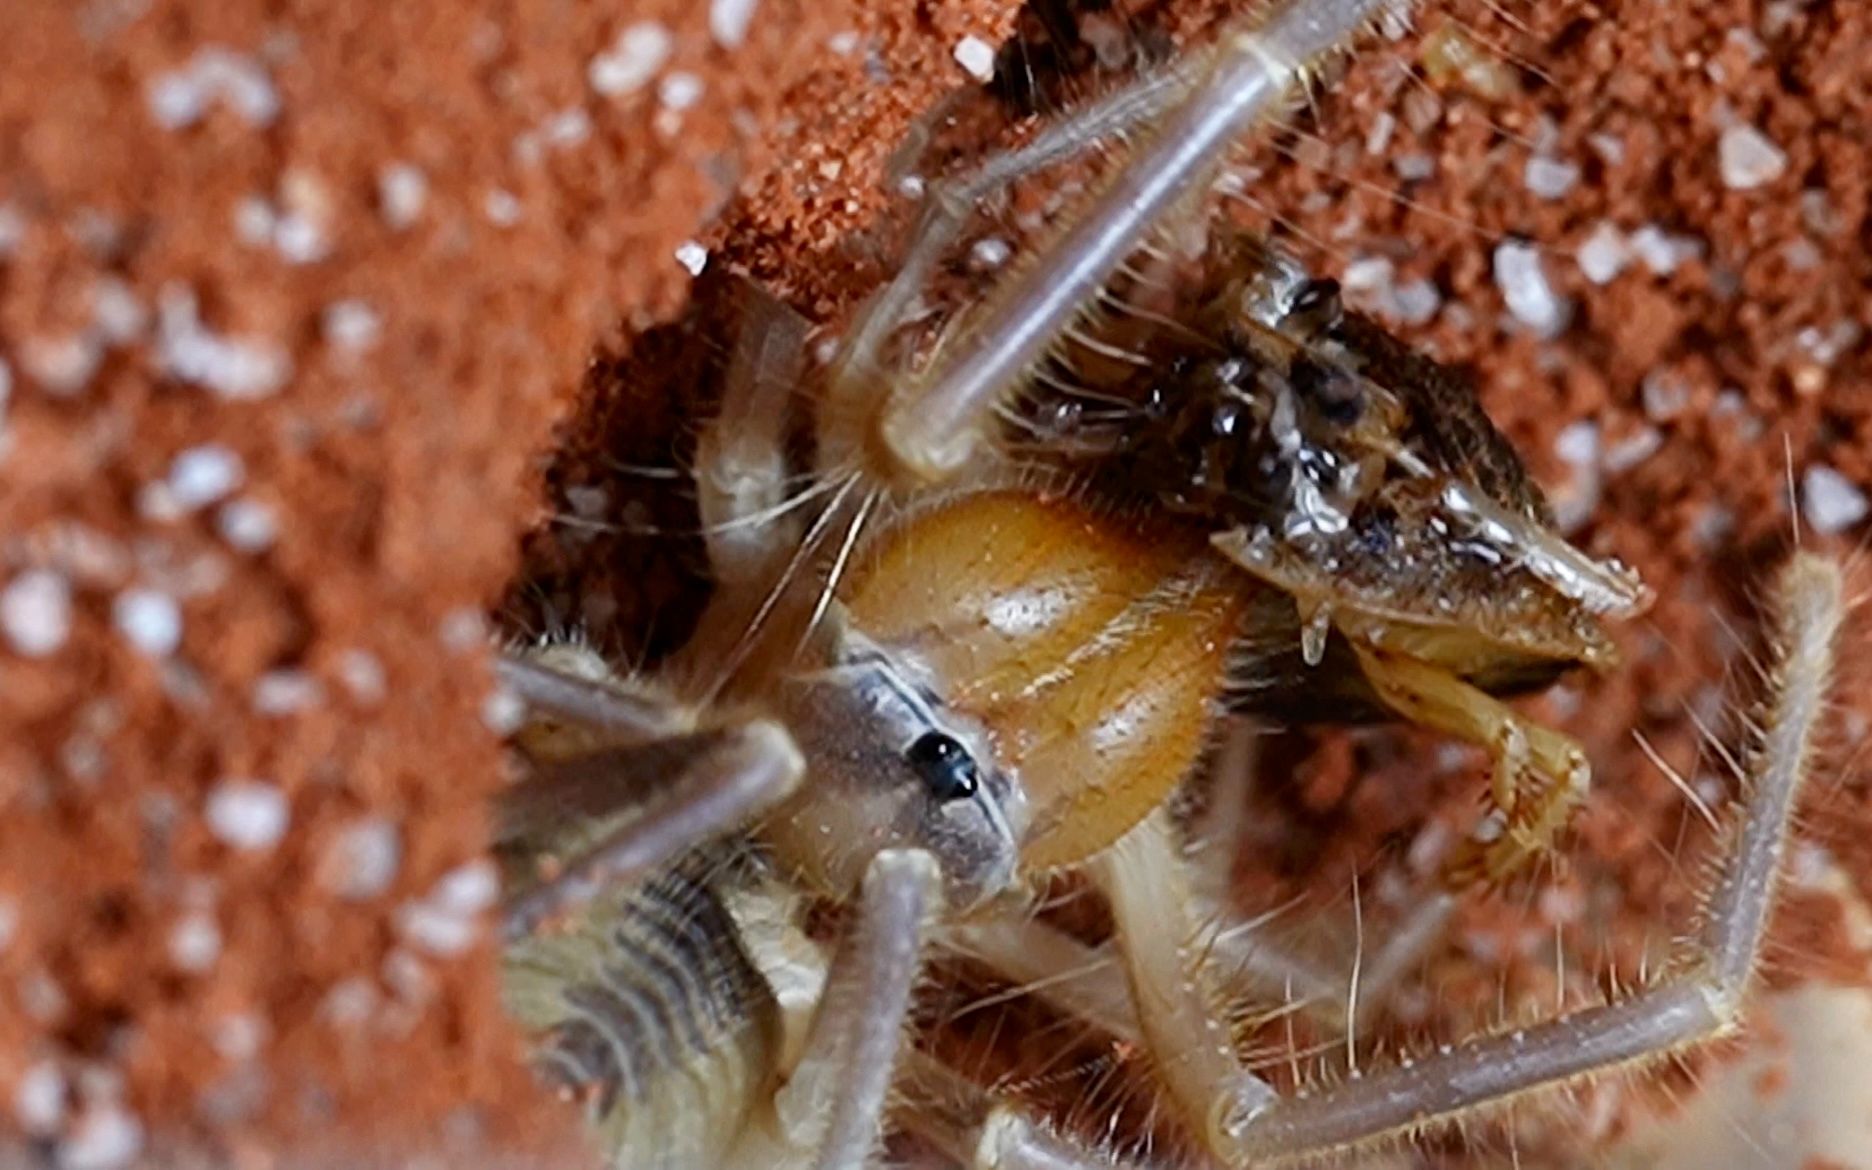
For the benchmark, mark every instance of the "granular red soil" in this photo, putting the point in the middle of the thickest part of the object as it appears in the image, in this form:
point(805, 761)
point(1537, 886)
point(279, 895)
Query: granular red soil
point(297, 302)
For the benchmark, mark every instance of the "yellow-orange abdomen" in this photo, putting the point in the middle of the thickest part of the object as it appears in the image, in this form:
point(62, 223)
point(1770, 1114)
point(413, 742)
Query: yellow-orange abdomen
point(1089, 648)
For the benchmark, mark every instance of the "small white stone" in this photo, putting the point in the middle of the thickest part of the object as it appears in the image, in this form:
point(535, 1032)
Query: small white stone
point(1632, 450)
point(151, 620)
point(1664, 395)
point(401, 192)
point(1415, 302)
point(363, 675)
point(255, 220)
point(39, 1100)
point(248, 814)
point(1368, 276)
point(990, 253)
point(469, 888)
point(283, 692)
point(1603, 254)
point(238, 1037)
point(1830, 502)
point(977, 58)
point(844, 43)
point(679, 90)
point(502, 207)
point(1523, 283)
point(202, 475)
point(639, 52)
point(1663, 253)
point(1414, 167)
point(362, 862)
point(195, 943)
point(444, 922)
point(105, 1137)
point(248, 525)
point(301, 239)
point(12, 229)
point(567, 127)
point(180, 98)
point(503, 712)
point(692, 256)
point(235, 368)
point(463, 629)
point(728, 21)
point(350, 325)
point(1748, 159)
point(61, 365)
point(1550, 178)
point(36, 612)
point(116, 312)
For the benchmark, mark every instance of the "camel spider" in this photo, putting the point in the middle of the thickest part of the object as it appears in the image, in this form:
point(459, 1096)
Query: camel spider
point(988, 645)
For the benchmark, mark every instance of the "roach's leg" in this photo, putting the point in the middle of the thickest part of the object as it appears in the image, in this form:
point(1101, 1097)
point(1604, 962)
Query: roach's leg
point(730, 776)
point(834, 1101)
point(1540, 777)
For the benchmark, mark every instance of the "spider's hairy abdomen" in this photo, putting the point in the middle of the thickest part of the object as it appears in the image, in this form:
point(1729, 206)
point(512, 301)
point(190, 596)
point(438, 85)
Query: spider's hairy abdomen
point(653, 1015)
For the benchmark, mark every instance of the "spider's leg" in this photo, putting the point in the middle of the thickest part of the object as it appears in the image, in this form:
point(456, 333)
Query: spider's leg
point(590, 703)
point(621, 782)
point(968, 1126)
point(741, 471)
point(947, 207)
point(1163, 957)
point(930, 426)
point(833, 1102)
point(700, 787)
point(1700, 1001)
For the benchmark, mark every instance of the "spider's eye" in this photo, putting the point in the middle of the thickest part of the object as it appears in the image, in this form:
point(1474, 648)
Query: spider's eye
point(947, 769)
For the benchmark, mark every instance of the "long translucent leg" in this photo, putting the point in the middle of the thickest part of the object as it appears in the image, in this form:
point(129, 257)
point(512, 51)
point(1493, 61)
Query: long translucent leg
point(947, 207)
point(834, 1101)
point(967, 1125)
point(1701, 1002)
point(729, 777)
point(930, 427)
point(1188, 1039)
point(589, 702)
point(741, 468)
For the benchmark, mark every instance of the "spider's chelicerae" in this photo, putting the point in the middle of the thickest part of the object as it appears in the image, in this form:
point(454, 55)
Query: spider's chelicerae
point(1141, 484)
